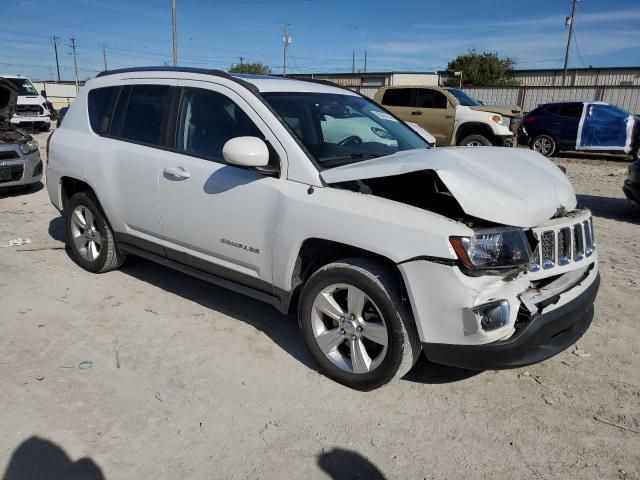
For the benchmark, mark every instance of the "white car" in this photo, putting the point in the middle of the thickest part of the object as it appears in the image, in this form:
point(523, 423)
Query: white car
point(31, 110)
point(20, 163)
point(478, 257)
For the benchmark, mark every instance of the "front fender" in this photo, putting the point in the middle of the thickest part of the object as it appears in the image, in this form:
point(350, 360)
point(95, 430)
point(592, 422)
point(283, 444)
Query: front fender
point(391, 229)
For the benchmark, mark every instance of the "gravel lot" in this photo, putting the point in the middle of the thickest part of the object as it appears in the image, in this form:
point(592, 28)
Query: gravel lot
point(192, 381)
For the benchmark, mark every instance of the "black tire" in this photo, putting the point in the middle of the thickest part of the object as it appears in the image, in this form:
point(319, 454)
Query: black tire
point(475, 140)
point(383, 287)
point(109, 257)
point(544, 144)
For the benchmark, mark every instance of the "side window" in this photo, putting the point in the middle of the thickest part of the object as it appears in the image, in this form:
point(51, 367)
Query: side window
point(430, 99)
point(397, 97)
point(570, 110)
point(207, 120)
point(101, 104)
point(146, 112)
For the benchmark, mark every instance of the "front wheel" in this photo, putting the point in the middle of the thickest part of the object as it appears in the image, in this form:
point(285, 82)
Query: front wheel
point(356, 325)
point(543, 144)
point(475, 140)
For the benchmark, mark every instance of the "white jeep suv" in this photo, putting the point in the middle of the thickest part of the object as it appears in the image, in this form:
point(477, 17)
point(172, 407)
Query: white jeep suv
point(477, 256)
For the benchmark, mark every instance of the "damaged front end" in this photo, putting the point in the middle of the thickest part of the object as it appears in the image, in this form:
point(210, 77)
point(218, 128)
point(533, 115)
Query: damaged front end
point(20, 162)
point(523, 284)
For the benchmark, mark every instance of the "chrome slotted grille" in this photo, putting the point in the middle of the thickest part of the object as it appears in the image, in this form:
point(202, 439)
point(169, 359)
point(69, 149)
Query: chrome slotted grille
point(561, 243)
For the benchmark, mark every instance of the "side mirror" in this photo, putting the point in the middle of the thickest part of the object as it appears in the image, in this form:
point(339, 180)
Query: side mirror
point(43, 93)
point(246, 151)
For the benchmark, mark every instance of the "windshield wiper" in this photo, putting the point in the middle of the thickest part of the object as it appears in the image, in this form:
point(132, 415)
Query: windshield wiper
point(353, 156)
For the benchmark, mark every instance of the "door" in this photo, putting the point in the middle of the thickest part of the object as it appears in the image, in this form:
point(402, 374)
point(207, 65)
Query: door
point(433, 111)
point(564, 123)
point(399, 101)
point(131, 124)
point(218, 217)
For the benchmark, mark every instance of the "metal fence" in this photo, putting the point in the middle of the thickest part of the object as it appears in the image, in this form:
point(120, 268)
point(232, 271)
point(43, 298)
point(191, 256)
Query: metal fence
point(528, 98)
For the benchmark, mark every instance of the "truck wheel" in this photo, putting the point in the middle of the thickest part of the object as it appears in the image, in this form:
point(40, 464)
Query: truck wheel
point(89, 237)
point(543, 144)
point(475, 140)
point(356, 325)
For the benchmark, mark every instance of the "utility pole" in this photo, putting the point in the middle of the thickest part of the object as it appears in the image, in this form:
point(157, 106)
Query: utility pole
point(286, 41)
point(75, 62)
point(173, 30)
point(365, 61)
point(353, 61)
point(104, 56)
point(568, 21)
point(55, 49)
point(241, 60)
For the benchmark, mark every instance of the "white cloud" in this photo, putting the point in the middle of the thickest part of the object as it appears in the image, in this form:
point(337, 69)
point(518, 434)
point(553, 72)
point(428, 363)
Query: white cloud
point(540, 39)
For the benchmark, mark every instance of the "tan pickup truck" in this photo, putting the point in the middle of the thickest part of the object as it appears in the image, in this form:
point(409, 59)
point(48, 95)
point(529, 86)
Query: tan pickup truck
point(452, 116)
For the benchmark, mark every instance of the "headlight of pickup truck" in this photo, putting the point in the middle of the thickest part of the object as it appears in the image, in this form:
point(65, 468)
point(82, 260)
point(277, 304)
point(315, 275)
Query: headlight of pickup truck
point(499, 119)
point(500, 249)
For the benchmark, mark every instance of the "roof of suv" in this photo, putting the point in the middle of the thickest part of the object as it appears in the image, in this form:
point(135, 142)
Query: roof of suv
point(263, 83)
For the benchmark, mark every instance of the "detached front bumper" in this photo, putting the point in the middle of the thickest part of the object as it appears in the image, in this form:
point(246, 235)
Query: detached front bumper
point(32, 122)
point(541, 337)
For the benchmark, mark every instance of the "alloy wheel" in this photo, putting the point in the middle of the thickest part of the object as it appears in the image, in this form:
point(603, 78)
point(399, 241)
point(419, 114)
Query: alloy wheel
point(86, 237)
point(349, 328)
point(543, 145)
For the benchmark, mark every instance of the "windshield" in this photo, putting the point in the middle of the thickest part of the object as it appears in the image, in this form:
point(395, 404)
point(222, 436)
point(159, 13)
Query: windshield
point(340, 129)
point(23, 85)
point(464, 98)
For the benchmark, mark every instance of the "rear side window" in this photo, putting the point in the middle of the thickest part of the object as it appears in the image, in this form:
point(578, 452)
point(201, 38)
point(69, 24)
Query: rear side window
point(571, 110)
point(397, 97)
point(101, 104)
point(144, 118)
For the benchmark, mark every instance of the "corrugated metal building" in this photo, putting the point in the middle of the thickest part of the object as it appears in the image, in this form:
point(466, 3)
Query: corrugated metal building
point(368, 83)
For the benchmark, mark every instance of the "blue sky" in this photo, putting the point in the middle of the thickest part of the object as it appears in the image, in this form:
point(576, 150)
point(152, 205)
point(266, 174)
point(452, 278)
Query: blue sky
point(398, 35)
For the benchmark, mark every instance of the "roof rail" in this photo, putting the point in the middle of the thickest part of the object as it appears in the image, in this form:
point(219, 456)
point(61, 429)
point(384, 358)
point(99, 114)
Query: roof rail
point(202, 71)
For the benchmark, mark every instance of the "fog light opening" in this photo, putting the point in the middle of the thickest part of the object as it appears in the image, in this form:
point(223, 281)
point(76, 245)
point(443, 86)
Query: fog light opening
point(493, 315)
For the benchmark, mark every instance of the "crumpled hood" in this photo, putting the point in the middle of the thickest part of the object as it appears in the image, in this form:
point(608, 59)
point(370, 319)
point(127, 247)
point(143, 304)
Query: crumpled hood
point(510, 186)
point(507, 111)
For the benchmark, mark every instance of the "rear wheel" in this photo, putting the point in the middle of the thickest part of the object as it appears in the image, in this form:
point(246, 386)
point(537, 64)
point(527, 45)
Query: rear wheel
point(356, 325)
point(543, 144)
point(475, 140)
point(89, 236)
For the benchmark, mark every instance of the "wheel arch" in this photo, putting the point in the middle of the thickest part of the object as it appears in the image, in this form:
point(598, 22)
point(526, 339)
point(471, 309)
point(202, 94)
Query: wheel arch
point(69, 186)
point(314, 253)
point(470, 128)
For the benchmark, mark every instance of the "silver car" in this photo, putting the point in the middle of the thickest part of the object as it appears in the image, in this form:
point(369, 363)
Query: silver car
point(20, 162)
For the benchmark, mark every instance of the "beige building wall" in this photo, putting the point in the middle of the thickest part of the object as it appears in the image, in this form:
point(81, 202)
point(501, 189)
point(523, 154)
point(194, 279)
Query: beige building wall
point(426, 79)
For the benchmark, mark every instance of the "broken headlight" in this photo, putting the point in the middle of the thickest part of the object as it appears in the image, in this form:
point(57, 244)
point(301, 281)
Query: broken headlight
point(500, 249)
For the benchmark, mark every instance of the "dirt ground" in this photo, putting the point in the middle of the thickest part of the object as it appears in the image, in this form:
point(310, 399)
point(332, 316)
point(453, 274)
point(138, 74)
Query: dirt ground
point(191, 381)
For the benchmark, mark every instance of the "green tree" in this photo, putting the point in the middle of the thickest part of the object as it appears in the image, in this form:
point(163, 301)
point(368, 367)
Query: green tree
point(485, 69)
point(255, 68)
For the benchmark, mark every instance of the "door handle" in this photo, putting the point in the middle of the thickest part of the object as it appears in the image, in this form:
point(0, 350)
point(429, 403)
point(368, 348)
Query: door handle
point(448, 116)
point(176, 172)
point(417, 112)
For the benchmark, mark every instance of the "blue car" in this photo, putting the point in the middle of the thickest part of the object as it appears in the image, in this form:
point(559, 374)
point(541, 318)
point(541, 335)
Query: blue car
point(580, 126)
